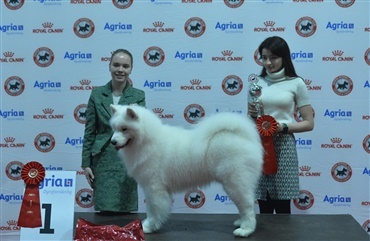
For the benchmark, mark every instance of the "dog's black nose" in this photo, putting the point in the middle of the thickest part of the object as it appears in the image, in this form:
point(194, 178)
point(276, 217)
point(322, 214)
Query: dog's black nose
point(113, 143)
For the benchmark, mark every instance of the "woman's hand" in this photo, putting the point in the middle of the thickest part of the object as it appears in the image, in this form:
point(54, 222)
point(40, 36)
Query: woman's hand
point(89, 176)
point(253, 111)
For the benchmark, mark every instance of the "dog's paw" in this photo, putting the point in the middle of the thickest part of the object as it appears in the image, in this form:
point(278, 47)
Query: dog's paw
point(243, 232)
point(147, 227)
point(238, 223)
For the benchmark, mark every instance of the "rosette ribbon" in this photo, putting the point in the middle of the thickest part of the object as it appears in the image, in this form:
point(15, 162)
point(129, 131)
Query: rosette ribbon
point(30, 214)
point(266, 126)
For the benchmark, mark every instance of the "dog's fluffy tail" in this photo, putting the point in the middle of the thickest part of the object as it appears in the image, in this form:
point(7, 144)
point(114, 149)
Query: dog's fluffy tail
point(230, 122)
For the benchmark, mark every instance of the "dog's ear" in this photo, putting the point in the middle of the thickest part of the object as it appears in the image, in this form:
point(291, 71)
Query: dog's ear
point(131, 114)
point(113, 109)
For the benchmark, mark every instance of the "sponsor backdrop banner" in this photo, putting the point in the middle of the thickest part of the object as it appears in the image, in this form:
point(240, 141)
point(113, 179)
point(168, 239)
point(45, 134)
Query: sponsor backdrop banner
point(193, 59)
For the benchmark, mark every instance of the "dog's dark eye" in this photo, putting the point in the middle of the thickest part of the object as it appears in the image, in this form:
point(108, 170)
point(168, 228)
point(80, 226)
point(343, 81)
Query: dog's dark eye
point(124, 129)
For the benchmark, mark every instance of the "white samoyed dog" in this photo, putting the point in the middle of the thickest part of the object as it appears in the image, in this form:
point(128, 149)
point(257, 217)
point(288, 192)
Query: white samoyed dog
point(163, 159)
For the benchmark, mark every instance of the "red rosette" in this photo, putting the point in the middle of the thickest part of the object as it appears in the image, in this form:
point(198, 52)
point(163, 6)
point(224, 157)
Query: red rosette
point(33, 173)
point(266, 126)
point(87, 231)
point(30, 214)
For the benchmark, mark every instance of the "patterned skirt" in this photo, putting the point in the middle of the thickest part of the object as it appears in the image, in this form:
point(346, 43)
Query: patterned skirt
point(284, 185)
point(114, 190)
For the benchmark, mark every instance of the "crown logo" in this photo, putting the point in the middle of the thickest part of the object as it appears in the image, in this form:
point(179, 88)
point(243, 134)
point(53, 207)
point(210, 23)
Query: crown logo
point(12, 223)
point(305, 168)
point(47, 25)
point(48, 111)
point(195, 81)
point(269, 23)
point(307, 81)
point(158, 24)
point(8, 54)
point(85, 82)
point(336, 140)
point(337, 53)
point(9, 139)
point(227, 53)
point(158, 110)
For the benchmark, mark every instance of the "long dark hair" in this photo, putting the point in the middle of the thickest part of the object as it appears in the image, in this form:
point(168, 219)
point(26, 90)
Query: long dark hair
point(125, 51)
point(279, 47)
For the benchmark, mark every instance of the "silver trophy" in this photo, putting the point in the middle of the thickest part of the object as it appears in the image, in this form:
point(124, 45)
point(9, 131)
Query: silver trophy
point(255, 91)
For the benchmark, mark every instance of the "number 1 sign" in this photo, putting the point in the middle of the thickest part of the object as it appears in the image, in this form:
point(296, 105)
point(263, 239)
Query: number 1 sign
point(57, 197)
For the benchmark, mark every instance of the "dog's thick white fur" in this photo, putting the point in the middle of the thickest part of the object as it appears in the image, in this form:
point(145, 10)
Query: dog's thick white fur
point(163, 159)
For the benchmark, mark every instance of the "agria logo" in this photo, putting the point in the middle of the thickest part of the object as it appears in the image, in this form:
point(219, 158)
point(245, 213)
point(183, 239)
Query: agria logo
point(54, 181)
point(338, 114)
point(119, 28)
point(12, 28)
point(340, 27)
point(189, 56)
point(79, 57)
point(74, 142)
point(230, 27)
point(48, 85)
point(12, 114)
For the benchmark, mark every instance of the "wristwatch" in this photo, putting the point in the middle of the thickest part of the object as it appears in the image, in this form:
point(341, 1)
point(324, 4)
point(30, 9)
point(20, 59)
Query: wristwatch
point(285, 128)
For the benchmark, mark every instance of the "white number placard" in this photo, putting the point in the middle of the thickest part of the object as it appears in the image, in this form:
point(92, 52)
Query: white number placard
point(57, 197)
